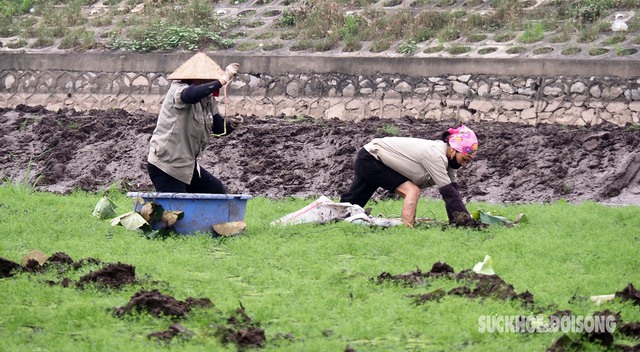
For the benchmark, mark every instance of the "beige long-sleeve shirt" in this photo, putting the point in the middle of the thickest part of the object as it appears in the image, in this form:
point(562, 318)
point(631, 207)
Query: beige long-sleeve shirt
point(422, 161)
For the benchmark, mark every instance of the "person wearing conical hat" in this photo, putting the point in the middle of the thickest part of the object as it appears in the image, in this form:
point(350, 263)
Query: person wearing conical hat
point(188, 118)
point(404, 166)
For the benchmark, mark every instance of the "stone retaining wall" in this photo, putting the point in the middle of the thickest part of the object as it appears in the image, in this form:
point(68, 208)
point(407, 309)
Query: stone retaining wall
point(391, 91)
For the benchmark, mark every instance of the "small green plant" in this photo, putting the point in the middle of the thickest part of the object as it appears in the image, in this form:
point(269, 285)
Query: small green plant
point(272, 46)
point(457, 49)
point(246, 13)
point(596, 51)
point(264, 35)
point(423, 34)
point(236, 35)
point(349, 31)
point(566, 188)
point(295, 119)
point(622, 51)
point(633, 127)
point(288, 18)
point(444, 3)
point(247, 45)
point(289, 35)
point(254, 24)
point(516, 50)
point(101, 21)
point(24, 184)
point(533, 32)
point(14, 8)
point(407, 48)
point(562, 37)
point(42, 42)
point(433, 49)
point(503, 37)
point(389, 130)
point(271, 13)
point(161, 37)
point(474, 38)
point(78, 38)
point(28, 121)
point(588, 11)
point(326, 44)
point(541, 51)
point(301, 45)
point(351, 46)
point(570, 51)
point(16, 44)
point(588, 35)
point(488, 50)
point(614, 39)
point(380, 45)
point(448, 34)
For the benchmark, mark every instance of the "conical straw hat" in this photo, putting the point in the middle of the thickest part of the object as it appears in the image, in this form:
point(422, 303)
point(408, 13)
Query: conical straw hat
point(199, 66)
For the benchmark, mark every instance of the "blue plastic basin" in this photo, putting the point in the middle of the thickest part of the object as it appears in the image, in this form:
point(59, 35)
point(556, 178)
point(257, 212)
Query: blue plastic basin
point(201, 211)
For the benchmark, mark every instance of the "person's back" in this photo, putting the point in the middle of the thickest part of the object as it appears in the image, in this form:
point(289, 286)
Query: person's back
point(406, 165)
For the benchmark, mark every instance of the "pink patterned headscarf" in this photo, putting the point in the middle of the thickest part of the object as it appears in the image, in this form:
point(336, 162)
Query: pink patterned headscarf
point(464, 140)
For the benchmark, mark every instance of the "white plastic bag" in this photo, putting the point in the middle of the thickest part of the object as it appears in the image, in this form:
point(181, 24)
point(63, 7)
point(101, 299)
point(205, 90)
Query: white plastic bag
point(324, 210)
point(321, 210)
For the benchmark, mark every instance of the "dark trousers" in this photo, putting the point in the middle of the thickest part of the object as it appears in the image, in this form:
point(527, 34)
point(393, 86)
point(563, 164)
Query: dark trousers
point(205, 182)
point(371, 174)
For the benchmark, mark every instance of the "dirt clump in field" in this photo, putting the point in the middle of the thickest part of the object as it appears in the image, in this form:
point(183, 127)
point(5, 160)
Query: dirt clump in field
point(461, 219)
point(475, 285)
point(9, 268)
point(157, 304)
point(417, 277)
point(175, 330)
point(241, 331)
point(276, 156)
point(115, 275)
point(489, 286)
point(110, 276)
point(605, 331)
point(629, 293)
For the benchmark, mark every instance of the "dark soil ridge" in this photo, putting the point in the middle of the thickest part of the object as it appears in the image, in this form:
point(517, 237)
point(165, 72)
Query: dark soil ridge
point(240, 330)
point(478, 286)
point(275, 156)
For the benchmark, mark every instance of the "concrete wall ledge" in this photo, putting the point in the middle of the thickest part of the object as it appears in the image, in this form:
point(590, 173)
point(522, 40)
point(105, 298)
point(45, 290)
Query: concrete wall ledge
point(362, 65)
point(524, 90)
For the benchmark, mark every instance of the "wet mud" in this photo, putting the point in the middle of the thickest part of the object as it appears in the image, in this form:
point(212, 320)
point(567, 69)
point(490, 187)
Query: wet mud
point(276, 156)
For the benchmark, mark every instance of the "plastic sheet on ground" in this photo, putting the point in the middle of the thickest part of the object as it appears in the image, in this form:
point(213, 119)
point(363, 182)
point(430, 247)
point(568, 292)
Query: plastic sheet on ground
point(324, 210)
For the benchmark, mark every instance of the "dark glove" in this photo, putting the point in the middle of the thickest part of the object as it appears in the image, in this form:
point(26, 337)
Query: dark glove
point(455, 185)
point(452, 201)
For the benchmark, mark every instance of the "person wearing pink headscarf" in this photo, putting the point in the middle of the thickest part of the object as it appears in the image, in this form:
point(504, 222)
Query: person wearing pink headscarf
point(405, 166)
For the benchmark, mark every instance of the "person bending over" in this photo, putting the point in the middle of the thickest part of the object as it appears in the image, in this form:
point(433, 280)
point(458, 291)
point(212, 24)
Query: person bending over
point(405, 165)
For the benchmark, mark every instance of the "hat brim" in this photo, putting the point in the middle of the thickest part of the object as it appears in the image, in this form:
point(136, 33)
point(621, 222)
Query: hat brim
point(199, 66)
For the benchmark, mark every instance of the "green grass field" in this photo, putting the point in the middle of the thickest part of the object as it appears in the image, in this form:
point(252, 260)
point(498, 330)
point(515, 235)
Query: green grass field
point(312, 287)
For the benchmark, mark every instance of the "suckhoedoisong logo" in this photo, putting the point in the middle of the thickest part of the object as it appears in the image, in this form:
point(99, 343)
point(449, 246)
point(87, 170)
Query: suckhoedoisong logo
point(529, 324)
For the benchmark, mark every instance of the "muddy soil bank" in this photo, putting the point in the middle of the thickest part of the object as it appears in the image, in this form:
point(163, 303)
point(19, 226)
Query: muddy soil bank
point(278, 156)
